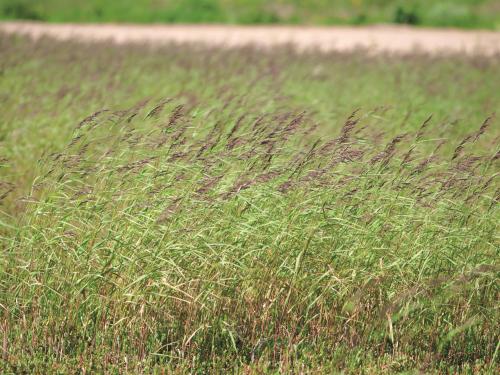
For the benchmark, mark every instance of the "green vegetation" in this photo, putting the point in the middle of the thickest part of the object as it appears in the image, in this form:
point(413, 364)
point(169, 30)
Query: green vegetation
point(449, 13)
point(193, 210)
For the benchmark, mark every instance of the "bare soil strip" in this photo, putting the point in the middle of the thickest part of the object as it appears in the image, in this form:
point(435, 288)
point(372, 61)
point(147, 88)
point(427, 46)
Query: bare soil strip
point(376, 39)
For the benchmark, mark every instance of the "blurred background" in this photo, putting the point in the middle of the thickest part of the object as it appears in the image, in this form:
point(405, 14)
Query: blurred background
point(479, 14)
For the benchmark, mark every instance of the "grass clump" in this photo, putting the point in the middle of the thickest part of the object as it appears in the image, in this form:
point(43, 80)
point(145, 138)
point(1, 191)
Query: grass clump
point(236, 222)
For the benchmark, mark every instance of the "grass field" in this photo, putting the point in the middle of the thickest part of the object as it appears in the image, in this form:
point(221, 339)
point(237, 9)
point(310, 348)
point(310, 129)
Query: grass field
point(448, 13)
point(193, 210)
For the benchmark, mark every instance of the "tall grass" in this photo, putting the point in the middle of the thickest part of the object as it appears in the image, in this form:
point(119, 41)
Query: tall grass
point(236, 231)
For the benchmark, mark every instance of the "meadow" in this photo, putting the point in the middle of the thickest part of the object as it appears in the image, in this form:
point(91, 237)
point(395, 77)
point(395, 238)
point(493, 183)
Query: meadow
point(448, 13)
point(184, 209)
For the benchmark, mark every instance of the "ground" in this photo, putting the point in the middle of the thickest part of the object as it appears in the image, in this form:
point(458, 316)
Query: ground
point(374, 39)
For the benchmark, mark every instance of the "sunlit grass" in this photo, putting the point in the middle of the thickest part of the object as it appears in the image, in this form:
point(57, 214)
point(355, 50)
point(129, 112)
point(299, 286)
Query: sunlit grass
point(202, 211)
point(483, 14)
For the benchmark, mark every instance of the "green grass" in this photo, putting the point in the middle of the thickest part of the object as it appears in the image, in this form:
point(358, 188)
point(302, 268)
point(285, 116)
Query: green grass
point(447, 13)
point(193, 210)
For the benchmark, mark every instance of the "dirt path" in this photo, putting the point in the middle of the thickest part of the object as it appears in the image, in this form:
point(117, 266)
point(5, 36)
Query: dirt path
point(394, 39)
